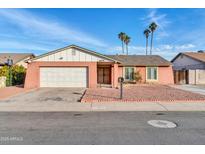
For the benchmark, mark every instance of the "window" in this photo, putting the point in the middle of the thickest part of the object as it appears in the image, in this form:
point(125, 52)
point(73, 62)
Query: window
point(73, 52)
point(152, 73)
point(129, 73)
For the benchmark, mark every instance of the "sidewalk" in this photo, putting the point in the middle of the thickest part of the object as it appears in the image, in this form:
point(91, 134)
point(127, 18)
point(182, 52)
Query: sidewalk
point(81, 107)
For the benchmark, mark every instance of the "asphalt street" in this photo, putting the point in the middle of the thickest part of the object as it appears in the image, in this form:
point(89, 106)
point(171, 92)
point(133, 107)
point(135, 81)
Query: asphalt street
point(100, 128)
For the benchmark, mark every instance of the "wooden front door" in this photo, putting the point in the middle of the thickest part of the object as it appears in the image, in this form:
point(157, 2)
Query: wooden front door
point(104, 75)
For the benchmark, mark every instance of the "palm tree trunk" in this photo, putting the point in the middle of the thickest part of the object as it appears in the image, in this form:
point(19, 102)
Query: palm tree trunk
point(122, 47)
point(146, 45)
point(127, 48)
point(151, 44)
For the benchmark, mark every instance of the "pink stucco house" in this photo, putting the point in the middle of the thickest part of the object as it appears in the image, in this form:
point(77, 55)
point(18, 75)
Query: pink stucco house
point(74, 66)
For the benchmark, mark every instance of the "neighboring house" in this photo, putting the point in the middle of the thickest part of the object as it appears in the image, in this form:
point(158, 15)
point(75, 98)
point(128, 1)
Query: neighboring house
point(18, 58)
point(74, 66)
point(189, 68)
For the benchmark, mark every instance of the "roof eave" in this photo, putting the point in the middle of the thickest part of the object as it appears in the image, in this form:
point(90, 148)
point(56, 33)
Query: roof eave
point(132, 65)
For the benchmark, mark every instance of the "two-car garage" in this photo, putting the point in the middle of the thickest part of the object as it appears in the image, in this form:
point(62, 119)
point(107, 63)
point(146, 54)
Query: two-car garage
point(71, 66)
point(63, 77)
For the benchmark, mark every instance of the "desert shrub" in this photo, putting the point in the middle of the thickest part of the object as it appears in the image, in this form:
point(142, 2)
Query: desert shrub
point(138, 77)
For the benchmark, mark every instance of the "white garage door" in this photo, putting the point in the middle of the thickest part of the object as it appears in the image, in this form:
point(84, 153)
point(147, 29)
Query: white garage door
point(63, 77)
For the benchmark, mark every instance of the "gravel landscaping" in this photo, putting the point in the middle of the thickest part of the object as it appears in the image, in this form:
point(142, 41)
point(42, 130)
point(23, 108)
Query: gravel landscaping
point(141, 93)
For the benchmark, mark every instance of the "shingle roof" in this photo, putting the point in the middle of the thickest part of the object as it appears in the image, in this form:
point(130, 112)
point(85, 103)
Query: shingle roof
point(16, 57)
point(141, 60)
point(196, 55)
point(200, 56)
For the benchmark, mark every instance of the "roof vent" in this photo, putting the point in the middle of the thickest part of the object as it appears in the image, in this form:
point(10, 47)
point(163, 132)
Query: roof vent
point(201, 51)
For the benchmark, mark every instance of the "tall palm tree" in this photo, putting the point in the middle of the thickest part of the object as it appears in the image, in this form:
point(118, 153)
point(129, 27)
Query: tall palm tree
point(146, 33)
point(127, 41)
point(121, 36)
point(152, 27)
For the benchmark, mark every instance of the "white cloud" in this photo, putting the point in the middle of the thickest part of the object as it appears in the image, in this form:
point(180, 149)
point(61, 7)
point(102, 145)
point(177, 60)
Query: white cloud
point(166, 47)
point(4, 45)
point(185, 46)
point(160, 19)
point(34, 26)
point(164, 50)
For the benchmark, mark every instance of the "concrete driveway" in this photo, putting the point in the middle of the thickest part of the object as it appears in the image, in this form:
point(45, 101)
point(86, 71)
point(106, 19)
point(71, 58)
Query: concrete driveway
point(200, 89)
point(43, 99)
point(47, 96)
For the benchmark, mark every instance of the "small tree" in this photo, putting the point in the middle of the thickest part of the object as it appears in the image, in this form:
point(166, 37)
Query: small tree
point(138, 77)
point(17, 73)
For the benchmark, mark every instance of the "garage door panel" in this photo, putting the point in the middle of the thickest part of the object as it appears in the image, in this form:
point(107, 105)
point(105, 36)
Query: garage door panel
point(63, 77)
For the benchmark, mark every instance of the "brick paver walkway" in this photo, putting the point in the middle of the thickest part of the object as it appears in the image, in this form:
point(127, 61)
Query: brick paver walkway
point(11, 91)
point(141, 93)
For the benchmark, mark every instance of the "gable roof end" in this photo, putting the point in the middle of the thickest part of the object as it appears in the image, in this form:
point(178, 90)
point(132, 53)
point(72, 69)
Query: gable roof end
point(76, 47)
point(194, 55)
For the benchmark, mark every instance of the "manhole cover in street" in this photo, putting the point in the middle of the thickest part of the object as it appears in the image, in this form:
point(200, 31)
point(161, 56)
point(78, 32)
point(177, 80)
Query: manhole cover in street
point(162, 124)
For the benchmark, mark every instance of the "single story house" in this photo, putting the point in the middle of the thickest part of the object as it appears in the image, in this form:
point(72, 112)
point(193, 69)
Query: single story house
point(18, 58)
point(189, 67)
point(74, 66)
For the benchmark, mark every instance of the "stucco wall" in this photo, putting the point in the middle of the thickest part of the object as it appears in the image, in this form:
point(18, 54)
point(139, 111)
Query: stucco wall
point(120, 71)
point(33, 72)
point(196, 76)
point(165, 74)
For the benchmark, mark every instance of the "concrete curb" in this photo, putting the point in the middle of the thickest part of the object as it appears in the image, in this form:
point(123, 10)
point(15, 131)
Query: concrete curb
point(104, 107)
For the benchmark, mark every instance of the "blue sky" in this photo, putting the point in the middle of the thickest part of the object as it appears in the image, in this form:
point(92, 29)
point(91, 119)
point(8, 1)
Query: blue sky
point(43, 30)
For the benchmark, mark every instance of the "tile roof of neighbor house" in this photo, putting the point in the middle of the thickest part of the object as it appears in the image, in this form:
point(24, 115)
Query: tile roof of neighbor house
point(15, 56)
point(141, 60)
point(200, 56)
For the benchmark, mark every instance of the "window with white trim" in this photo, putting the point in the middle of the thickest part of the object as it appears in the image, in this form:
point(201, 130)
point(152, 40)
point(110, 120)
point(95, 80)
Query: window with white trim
point(152, 73)
point(129, 73)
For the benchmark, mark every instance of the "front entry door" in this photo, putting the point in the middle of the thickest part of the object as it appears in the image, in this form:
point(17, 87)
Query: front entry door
point(104, 76)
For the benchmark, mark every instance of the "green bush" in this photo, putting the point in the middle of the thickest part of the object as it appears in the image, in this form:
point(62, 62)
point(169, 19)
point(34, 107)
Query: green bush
point(17, 74)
